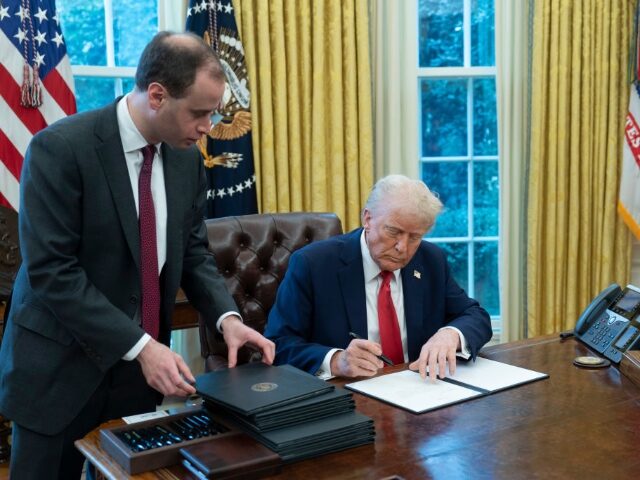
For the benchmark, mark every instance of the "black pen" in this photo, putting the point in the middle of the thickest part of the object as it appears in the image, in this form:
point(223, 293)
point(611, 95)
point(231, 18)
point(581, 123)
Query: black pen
point(381, 356)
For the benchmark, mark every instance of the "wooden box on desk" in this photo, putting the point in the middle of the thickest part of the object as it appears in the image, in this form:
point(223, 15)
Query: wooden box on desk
point(630, 365)
point(137, 462)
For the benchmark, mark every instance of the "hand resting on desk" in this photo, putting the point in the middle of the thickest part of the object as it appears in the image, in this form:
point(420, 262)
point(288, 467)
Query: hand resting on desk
point(436, 353)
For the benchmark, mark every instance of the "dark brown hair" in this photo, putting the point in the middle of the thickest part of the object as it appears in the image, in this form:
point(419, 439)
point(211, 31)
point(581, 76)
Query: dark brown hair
point(173, 63)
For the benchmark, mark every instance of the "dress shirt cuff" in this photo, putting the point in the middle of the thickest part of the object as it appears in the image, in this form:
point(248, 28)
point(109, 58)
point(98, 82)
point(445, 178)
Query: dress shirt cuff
point(464, 348)
point(225, 315)
point(324, 372)
point(137, 348)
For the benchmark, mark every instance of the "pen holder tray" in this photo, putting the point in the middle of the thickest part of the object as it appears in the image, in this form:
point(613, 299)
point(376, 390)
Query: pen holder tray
point(156, 443)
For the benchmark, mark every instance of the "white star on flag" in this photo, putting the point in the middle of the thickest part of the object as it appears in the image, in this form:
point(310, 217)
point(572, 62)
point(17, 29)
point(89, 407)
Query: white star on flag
point(41, 15)
point(4, 12)
point(36, 84)
point(40, 38)
point(57, 39)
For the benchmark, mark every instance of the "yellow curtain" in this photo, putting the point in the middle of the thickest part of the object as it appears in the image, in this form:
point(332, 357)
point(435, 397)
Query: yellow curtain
point(576, 244)
point(310, 75)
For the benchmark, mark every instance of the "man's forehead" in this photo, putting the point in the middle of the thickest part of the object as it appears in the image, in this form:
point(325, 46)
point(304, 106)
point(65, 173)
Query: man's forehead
point(405, 220)
point(204, 89)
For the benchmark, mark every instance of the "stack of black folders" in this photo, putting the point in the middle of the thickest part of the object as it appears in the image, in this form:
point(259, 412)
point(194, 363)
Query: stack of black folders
point(295, 414)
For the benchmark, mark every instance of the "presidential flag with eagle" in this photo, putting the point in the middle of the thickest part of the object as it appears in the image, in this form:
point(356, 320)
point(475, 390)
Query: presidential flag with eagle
point(227, 150)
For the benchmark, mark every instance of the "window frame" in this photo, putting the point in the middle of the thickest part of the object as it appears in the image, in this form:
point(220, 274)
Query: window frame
point(109, 71)
point(469, 73)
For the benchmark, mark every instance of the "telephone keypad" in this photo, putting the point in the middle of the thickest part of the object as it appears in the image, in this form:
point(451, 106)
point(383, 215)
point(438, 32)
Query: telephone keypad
point(604, 330)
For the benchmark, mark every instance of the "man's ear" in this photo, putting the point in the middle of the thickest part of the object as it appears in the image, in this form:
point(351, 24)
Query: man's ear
point(157, 95)
point(366, 218)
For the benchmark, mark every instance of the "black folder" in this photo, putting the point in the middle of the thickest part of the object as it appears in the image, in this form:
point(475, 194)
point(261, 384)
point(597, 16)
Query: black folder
point(256, 387)
point(318, 437)
point(324, 405)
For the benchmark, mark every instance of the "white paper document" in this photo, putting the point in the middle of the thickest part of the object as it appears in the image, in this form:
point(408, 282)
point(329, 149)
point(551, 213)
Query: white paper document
point(407, 390)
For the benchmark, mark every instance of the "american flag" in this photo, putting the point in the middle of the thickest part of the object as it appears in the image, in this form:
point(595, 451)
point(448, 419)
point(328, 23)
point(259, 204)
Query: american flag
point(629, 198)
point(31, 43)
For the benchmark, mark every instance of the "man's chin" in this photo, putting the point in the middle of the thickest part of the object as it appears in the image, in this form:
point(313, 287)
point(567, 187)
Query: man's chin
point(393, 265)
point(183, 144)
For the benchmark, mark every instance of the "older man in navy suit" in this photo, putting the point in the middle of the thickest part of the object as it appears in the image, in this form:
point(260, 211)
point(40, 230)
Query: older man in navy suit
point(378, 290)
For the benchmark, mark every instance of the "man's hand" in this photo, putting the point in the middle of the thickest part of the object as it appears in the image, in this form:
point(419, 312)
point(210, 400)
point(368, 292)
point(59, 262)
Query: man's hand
point(236, 334)
point(436, 353)
point(165, 370)
point(358, 360)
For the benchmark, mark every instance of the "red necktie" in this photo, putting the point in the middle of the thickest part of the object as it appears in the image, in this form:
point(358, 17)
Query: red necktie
point(148, 248)
point(388, 321)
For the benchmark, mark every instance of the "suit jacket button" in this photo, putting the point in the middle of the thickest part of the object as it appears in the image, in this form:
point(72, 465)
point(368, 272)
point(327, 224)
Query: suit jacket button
point(133, 299)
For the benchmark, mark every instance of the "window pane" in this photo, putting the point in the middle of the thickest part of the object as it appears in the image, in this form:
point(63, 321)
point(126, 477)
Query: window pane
point(127, 84)
point(485, 199)
point(83, 29)
point(444, 117)
point(440, 33)
point(486, 273)
point(485, 135)
point(482, 33)
point(449, 181)
point(134, 23)
point(458, 258)
point(95, 92)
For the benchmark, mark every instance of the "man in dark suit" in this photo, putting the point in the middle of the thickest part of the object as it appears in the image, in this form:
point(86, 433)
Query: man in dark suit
point(74, 352)
point(382, 283)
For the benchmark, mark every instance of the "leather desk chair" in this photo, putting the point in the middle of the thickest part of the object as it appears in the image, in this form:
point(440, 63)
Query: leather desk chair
point(10, 260)
point(252, 253)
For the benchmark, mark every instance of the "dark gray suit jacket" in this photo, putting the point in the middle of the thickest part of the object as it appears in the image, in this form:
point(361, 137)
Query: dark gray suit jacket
point(78, 289)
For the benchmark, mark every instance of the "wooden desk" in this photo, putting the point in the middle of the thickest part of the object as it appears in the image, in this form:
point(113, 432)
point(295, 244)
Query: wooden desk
point(184, 315)
point(579, 423)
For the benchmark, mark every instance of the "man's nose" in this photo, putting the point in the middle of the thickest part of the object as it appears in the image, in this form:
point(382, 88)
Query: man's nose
point(204, 126)
point(401, 244)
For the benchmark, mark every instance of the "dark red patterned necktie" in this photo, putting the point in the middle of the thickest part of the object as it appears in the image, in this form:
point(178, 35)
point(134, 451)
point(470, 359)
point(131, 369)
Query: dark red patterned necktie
point(148, 248)
point(388, 321)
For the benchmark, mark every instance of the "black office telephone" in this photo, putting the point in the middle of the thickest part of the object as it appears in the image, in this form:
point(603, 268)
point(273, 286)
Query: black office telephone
point(611, 323)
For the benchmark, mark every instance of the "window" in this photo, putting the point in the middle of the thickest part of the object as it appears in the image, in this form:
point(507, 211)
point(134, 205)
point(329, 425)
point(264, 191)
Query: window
point(458, 138)
point(104, 41)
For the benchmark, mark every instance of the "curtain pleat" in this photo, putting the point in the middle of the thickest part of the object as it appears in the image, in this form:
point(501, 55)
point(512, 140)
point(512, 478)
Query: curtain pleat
point(512, 63)
point(576, 243)
point(310, 77)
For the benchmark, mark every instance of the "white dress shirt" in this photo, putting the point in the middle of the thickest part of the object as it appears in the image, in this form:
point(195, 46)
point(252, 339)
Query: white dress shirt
point(372, 283)
point(132, 142)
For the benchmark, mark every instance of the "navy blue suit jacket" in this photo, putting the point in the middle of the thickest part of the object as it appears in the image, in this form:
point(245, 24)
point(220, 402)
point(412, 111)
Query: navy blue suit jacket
point(322, 299)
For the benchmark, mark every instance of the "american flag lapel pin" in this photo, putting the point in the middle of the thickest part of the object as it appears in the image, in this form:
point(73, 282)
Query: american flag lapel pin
point(416, 274)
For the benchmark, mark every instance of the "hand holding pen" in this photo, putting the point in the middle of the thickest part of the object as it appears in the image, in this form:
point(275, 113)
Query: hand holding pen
point(361, 358)
point(382, 357)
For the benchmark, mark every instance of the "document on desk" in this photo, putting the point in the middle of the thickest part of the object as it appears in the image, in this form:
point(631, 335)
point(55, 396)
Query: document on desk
point(407, 390)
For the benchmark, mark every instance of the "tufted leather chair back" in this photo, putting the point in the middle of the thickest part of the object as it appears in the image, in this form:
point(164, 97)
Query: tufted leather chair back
point(9, 251)
point(252, 253)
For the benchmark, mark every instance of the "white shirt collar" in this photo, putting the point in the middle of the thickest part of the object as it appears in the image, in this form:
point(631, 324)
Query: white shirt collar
point(132, 139)
point(371, 268)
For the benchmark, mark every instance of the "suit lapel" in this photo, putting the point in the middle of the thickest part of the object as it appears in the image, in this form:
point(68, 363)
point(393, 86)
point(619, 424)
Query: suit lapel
point(412, 288)
point(115, 169)
point(174, 201)
point(351, 278)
